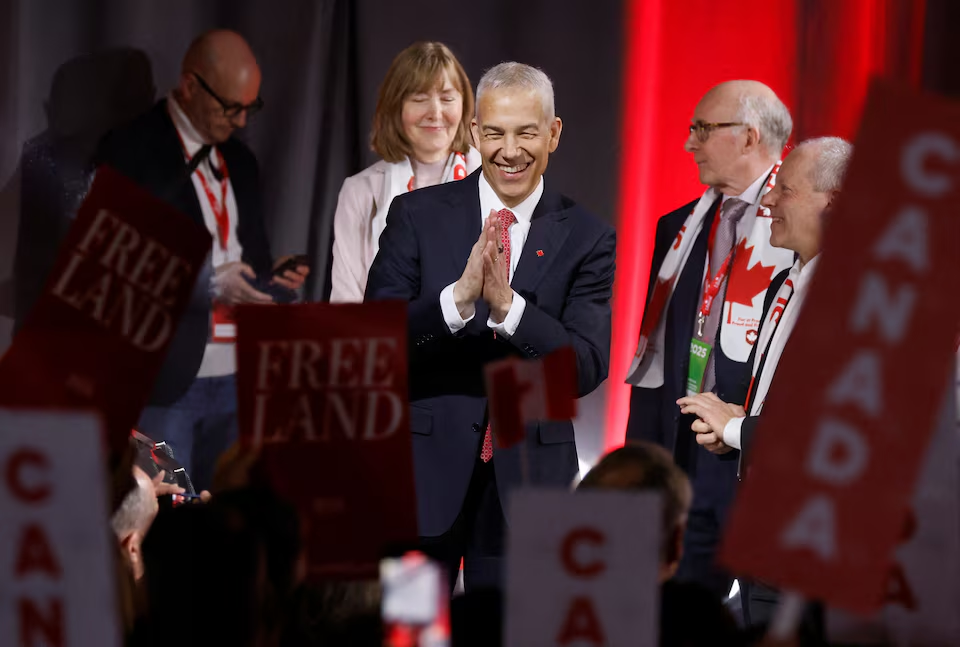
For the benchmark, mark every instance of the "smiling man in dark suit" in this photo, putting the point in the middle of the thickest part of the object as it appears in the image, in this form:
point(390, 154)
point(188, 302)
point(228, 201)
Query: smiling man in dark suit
point(493, 266)
point(183, 151)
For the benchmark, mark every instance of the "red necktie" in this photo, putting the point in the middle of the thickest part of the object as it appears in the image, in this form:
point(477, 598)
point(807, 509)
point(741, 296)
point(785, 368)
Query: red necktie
point(506, 219)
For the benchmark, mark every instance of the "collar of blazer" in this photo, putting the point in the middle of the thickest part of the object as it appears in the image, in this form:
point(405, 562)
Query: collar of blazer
point(169, 159)
point(549, 228)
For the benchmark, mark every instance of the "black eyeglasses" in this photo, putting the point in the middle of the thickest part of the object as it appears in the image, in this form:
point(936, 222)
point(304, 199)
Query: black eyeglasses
point(230, 110)
point(703, 128)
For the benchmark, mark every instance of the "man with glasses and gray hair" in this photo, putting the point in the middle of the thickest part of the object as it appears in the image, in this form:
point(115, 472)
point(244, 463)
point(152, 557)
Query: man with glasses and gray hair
point(183, 151)
point(712, 264)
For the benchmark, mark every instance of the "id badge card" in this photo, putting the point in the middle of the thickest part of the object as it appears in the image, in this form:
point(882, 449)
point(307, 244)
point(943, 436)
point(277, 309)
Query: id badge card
point(697, 367)
point(224, 327)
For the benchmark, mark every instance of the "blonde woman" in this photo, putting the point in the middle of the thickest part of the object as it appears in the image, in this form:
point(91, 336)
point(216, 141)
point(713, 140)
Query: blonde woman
point(421, 130)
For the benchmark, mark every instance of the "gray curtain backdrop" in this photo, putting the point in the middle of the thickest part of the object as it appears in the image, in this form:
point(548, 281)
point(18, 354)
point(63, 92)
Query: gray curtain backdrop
point(322, 62)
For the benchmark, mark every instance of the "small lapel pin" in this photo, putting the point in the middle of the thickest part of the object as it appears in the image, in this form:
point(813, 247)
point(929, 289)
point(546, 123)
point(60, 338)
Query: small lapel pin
point(539, 252)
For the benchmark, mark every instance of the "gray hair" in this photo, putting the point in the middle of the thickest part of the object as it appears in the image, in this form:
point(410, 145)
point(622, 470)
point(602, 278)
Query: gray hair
point(135, 512)
point(833, 157)
point(768, 115)
point(522, 77)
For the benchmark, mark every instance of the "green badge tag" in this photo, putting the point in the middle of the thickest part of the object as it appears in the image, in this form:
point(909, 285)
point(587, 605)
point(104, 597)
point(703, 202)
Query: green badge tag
point(699, 352)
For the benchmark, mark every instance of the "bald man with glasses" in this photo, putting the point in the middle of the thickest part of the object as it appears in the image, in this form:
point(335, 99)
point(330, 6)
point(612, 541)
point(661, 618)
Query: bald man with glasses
point(183, 151)
point(712, 264)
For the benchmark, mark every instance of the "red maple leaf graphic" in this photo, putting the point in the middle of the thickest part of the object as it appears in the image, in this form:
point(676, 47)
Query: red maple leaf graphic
point(745, 284)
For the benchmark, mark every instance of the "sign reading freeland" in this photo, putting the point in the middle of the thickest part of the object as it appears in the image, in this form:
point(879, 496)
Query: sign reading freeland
point(323, 397)
point(98, 334)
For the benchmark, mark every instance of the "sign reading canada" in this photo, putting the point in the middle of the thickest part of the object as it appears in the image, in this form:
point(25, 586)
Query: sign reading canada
point(847, 423)
point(57, 553)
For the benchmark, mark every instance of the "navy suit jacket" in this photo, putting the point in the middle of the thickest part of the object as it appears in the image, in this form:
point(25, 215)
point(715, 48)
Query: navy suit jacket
point(567, 288)
point(148, 151)
point(750, 423)
point(654, 414)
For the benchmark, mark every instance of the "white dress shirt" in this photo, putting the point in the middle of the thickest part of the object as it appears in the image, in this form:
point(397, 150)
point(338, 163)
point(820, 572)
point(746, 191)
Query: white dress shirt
point(518, 237)
point(800, 275)
point(218, 358)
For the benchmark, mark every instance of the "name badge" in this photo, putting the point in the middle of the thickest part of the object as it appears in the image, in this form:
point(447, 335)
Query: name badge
point(697, 367)
point(223, 324)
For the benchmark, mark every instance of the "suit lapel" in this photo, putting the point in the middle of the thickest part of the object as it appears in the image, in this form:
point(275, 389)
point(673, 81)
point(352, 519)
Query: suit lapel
point(178, 187)
point(549, 229)
point(461, 225)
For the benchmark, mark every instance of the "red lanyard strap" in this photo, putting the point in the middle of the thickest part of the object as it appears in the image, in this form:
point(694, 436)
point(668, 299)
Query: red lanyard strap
point(712, 286)
point(220, 213)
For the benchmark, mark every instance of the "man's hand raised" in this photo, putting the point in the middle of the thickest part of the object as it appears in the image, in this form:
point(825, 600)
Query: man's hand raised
point(230, 286)
point(469, 287)
point(496, 288)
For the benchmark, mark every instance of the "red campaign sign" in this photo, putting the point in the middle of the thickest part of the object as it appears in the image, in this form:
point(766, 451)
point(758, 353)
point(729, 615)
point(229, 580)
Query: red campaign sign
point(525, 391)
point(98, 334)
point(848, 420)
point(323, 395)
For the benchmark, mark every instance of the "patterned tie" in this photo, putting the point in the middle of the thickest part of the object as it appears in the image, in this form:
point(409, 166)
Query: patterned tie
point(506, 219)
point(730, 214)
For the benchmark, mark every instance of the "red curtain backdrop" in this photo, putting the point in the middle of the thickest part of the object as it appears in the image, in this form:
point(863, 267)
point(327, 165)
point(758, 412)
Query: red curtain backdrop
point(817, 55)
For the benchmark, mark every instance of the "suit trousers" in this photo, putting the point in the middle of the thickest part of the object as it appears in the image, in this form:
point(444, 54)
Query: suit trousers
point(760, 601)
point(199, 427)
point(714, 481)
point(476, 536)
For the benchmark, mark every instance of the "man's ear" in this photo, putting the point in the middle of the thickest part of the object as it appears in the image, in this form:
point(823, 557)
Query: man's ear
point(673, 552)
point(130, 546)
point(187, 85)
point(555, 129)
point(753, 139)
point(832, 198)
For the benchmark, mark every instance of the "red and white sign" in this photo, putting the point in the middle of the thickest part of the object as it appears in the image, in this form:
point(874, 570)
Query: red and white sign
point(583, 569)
point(848, 420)
point(57, 567)
point(525, 391)
point(98, 334)
point(922, 595)
point(323, 395)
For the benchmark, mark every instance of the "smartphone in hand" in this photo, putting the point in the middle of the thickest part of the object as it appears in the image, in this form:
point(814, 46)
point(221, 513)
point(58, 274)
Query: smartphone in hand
point(291, 264)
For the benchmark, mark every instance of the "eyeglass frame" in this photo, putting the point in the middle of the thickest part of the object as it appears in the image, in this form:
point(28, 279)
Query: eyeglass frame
point(708, 127)
point(230, 110)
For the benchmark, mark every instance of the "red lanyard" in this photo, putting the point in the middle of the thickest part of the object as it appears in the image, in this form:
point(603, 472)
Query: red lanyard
point(220, 213)
point(712, 287)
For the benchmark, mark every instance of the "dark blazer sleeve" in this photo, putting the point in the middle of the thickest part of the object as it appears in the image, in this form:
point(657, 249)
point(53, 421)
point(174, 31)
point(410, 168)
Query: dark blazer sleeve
point(746, 436)
point(748, 429)
point(645, 421)
point(585, 320)
point(395, 274)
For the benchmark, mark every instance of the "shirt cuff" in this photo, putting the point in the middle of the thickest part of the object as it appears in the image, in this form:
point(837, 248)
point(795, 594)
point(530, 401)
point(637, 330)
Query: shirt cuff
point(731, 432)
point(508, 327)
point(451, 314)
